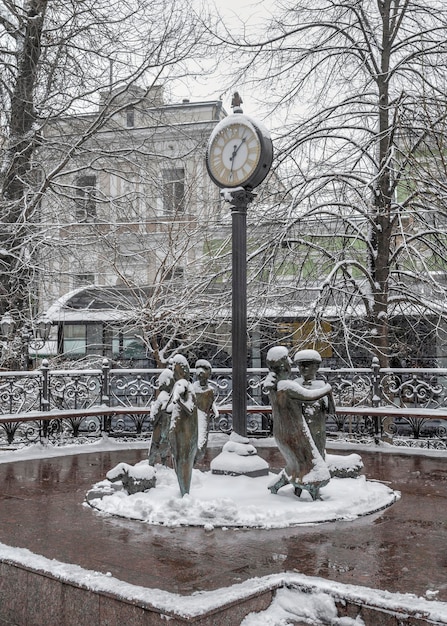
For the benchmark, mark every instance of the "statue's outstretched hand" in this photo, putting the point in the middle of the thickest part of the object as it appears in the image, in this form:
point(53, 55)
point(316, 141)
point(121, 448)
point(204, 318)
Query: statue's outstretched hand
point(269, 383)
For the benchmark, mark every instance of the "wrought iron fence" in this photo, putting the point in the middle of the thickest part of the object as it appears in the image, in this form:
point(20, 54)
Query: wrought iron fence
point(47, 390)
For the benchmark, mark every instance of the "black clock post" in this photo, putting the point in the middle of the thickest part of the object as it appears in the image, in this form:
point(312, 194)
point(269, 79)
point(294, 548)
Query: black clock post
point(239, 200)
point(238, 158)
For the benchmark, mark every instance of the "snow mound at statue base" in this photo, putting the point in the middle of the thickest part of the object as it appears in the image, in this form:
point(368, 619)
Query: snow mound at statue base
point(219, 501)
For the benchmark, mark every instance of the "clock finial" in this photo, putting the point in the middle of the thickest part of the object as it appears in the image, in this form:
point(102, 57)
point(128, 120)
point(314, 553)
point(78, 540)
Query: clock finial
point(236, 103)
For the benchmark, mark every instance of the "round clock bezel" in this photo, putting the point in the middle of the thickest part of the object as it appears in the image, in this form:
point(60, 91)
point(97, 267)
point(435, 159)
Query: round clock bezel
point(265, 147)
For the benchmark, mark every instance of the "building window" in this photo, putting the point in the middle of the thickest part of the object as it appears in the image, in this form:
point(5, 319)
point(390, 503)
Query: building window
point(82, 339)
point(74, 340)
point(81, 280)
point(176, 274)
point(85, 198)
point(173, 190)
point(127, 345)
point(130, 116)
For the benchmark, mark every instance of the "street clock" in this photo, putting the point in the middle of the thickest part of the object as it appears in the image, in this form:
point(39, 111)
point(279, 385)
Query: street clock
point(239, 153)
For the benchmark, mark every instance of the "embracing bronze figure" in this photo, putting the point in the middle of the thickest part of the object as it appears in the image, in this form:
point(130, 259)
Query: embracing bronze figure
point(305, 465)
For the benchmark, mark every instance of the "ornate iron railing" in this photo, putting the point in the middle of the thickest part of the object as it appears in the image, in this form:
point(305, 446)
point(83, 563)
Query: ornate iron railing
point(47, 390)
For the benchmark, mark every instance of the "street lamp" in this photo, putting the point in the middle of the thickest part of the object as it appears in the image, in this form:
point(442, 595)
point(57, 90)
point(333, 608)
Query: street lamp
point(33, 336)
point(7, 325)
point(43, 328)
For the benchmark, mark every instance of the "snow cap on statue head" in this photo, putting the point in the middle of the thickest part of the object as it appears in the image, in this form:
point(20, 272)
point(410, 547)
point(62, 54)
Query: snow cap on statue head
point(179, 363)
point(277, 354)
point(203, 363)
point(178, 358)
point(165, 380)
point(307, 355)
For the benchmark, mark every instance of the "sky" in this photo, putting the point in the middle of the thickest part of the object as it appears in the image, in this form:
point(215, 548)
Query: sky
point(235, 15)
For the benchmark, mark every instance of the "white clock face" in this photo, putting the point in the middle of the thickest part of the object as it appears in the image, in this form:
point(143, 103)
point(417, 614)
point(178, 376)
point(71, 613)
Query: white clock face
point(234, 154)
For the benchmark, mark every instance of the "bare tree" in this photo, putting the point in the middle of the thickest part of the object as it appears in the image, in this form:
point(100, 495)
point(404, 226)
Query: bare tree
point(359, 87)
point(54, 59)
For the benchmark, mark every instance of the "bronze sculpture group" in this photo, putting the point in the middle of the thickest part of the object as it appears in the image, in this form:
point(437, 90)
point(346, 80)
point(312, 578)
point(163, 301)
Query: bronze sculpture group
point(182, 412)
point(181, 415)
point(299, 409)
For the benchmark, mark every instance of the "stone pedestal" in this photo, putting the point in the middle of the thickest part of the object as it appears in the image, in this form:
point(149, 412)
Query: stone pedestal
point(239, 458)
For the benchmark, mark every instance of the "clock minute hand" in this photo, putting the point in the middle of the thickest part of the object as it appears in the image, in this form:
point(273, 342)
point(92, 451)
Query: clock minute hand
point(236, 149)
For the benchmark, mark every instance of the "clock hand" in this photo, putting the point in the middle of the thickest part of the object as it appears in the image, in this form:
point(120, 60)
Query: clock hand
point(236, 149)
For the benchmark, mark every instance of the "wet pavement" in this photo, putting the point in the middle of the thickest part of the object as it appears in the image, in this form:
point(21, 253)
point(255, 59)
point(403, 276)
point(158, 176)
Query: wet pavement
point(403, 548)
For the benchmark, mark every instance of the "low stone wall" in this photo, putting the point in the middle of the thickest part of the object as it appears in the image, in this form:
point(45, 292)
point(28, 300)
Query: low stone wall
point(37, 597)
point(29, 596)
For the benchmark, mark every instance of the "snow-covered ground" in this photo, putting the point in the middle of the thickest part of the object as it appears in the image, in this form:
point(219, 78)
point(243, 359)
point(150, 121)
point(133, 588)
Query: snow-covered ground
point(236, 493)
point(231, 501)
point(239, 501)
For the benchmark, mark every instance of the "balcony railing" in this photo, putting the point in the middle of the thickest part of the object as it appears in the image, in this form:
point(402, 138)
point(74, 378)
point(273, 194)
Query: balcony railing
point(47, 390)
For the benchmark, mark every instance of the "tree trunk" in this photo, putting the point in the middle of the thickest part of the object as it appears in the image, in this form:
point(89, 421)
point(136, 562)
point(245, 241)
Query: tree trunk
point(15, 275)
point(381, 241)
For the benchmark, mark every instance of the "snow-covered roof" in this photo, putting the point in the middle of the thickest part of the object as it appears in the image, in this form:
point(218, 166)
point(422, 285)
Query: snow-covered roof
point(97, 303)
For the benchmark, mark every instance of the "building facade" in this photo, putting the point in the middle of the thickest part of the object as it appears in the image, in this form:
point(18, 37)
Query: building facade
point(128, 217)
point(135, 255)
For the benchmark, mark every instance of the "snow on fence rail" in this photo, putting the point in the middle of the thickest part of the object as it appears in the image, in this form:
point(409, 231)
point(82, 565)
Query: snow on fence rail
point(76, 397)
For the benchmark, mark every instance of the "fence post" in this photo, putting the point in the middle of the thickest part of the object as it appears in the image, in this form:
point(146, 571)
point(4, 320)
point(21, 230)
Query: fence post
point(45, 398)
point(105, 395)
point(375, 400)
point(375, 366)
